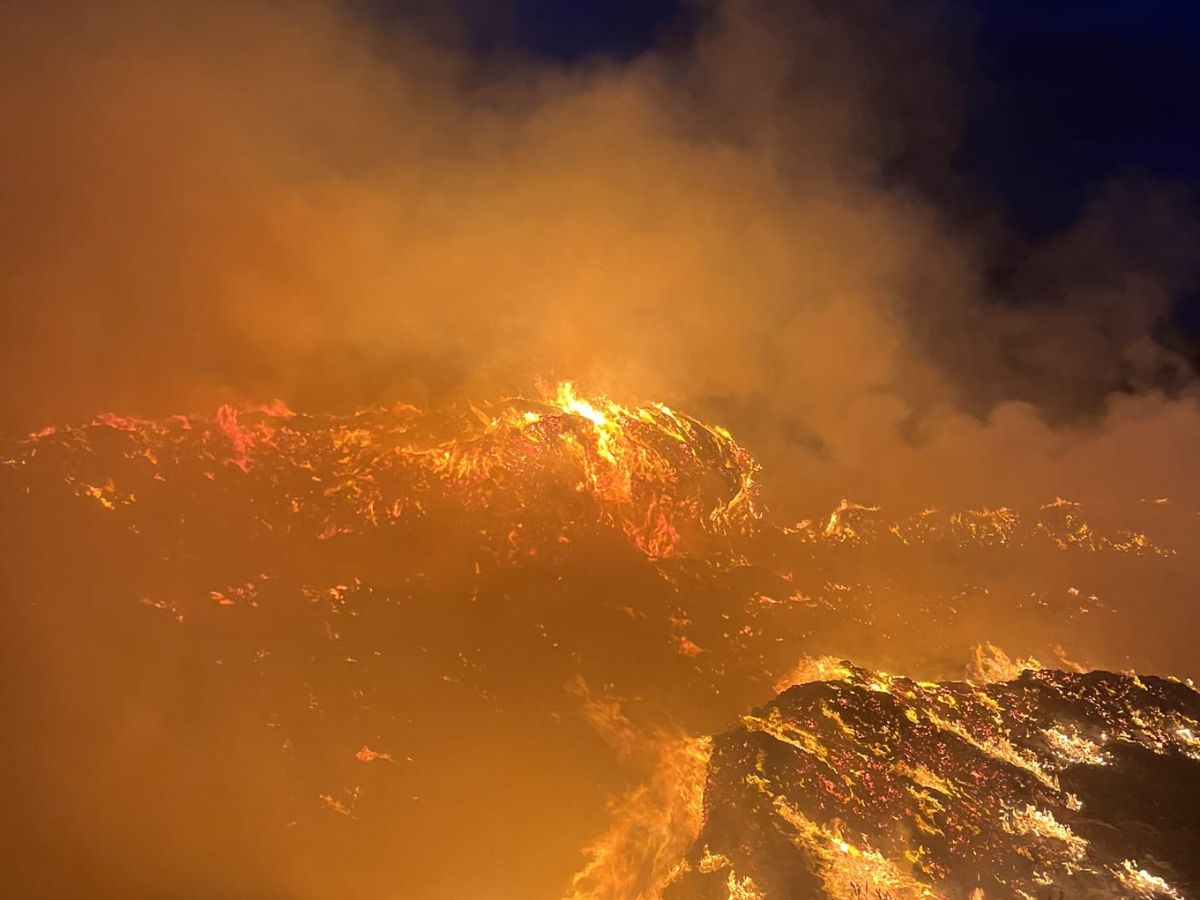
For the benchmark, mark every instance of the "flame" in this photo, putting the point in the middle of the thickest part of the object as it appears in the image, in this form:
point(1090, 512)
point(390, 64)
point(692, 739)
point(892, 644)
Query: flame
point(652, 827)
point(847, 872)
point(736, 888)
point(991, 664)
point(1142, 883)
point(366, 754)
point(1029, 820)
point(813, 668)
point(663, 479)
point(606, 431)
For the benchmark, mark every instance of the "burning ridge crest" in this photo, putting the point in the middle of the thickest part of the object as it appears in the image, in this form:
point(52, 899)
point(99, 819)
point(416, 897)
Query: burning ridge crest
point(535, 471)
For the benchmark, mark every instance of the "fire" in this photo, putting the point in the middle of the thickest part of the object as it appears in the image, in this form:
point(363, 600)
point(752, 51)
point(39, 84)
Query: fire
point(882, 783)
point(605, 430)
point(647, 471)
point(992, 664)
point(366, 754)
point(652, 827)
point(664, 479)
point(1143, 883)
point(885, 786)
point(737, 888)
point(1029, 820)
point(846, 871)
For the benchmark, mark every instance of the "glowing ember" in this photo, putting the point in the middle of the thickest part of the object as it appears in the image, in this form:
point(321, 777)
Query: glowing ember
point(937, 790)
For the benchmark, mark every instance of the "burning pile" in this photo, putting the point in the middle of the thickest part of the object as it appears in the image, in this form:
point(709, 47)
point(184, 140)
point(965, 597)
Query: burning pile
point(870, 785)
point(529, 473)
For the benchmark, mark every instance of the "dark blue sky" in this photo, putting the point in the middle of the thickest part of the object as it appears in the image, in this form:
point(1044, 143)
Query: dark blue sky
point(1070, 93)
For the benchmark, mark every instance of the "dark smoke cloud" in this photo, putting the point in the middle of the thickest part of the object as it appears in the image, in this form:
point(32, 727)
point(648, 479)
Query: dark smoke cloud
point(208, 201)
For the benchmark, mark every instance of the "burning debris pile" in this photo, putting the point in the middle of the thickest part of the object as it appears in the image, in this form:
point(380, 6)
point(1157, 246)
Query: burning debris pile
point(377, 613)
point(527, 473)
point(870, 785)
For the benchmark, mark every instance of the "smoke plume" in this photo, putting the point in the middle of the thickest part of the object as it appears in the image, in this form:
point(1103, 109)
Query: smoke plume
point(212, 201)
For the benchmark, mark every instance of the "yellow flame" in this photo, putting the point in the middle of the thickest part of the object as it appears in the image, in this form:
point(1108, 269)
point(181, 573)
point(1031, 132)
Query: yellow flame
point(652, 827)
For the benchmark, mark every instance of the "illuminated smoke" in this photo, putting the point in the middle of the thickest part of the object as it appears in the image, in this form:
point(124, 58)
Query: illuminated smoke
point(212, 205)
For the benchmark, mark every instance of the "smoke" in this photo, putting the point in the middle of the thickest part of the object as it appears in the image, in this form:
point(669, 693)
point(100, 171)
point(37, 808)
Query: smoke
point(225, 200)
point(757, 222)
